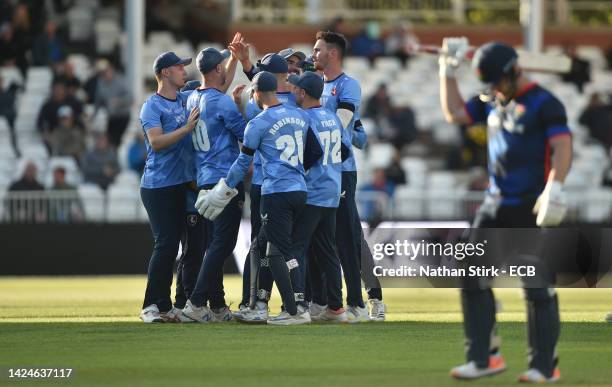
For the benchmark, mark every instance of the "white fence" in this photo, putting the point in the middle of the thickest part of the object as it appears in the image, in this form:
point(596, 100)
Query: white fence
point(317, 11)
point(406, 204)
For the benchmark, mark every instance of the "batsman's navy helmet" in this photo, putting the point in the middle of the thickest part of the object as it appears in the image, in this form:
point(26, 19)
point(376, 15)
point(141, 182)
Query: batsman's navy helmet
point(493, 61)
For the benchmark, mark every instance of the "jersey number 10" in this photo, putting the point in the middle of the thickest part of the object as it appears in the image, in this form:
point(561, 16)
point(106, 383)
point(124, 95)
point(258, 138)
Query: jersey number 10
point(200, 137)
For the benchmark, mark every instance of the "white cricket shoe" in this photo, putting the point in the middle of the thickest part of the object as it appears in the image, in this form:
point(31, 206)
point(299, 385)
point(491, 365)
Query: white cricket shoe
point(174, 315)
point(536, 377)
point(198, 314)
point(259, 315)
point(151, 314)
point(316, 310)
point(377, 310)
point(337, 316)
point(222, 314)
point(470, 371)
point(357, 314)
point(284, 318)
point(241, 309)
point(609, 317)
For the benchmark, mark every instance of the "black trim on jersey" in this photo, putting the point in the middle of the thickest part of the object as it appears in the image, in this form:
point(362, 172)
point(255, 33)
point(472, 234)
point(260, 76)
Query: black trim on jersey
point(358, 126)
point(345, 152)
point(167, 99)
point(277, 105)
point(332, 80)
point(312, 150)
point(346, 105)
point(247, 151)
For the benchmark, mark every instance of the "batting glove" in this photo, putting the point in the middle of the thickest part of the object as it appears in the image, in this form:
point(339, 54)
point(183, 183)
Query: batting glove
point(453, 52)
point(551, 205)
point(216, 199)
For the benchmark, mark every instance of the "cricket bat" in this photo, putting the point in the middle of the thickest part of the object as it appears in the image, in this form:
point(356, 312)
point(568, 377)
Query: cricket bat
point(528, 61)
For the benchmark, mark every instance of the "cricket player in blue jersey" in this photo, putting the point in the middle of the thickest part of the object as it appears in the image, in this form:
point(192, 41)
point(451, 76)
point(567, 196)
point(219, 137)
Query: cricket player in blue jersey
point(278, 66)
point(288, 147)
point(342, 95)
point(168, 169)
point(316, 231)
point(215, 141)
point(530, 152)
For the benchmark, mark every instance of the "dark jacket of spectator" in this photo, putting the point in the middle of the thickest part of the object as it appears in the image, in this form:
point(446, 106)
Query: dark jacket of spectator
point(8, 111)
point(48, 48)
point(597, 117)
point(28, 210)
point(100, 164)
point(394, 172)
point(47, 117)
point(368, 42)
point(580, 71)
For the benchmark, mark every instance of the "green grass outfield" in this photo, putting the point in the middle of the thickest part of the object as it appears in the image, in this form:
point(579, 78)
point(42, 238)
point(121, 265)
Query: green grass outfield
point(91, 324)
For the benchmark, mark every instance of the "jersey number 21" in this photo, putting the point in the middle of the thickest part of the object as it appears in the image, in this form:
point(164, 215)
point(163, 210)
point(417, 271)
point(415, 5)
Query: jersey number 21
point(288, 145)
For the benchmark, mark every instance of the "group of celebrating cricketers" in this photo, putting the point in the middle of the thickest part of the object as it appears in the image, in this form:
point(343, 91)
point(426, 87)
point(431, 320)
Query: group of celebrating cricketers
point(296, 124)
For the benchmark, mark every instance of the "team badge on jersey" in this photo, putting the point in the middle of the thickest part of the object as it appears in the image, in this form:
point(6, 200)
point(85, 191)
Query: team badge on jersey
point(333, 91)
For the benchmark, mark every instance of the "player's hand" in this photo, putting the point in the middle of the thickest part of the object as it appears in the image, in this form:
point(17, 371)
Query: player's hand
point(201, 198)
point(236, 94)
point(452, 54)
point(192, 120)
point(233, 45)
point(240, 50)
point(551, 205)
point(215, 201)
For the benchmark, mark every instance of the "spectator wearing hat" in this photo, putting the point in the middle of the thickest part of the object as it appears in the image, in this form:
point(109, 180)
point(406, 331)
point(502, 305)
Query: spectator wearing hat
point(67, 139)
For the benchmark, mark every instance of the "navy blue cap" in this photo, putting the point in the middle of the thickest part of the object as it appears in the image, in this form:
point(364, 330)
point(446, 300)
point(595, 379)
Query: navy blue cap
point(273, 63)
point(191, 85)
point(289, 52)
point(311, 82)
point(168, 59)
point(210, 57)
point(264, 81)
point(493, 61)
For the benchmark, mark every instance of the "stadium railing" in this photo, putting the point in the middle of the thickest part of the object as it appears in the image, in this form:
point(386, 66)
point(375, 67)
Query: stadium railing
point(406, 204)
point(450, 11)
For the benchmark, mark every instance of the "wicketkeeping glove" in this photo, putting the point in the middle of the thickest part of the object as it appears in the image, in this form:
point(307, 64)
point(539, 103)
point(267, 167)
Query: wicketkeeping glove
point(551, 205)
point(453, 52)
point(214, 201)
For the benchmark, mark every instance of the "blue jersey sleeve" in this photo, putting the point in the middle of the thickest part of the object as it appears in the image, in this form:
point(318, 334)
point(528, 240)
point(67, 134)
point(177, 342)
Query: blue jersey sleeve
point(554, 118)
point(150, 116)
point(350, 96)
point(360, 137)
point(232, 117)
point(476, 110)
point(241, 166)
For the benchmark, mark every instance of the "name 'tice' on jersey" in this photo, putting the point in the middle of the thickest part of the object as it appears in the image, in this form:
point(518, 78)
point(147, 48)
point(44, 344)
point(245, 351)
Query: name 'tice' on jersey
point(324, 178)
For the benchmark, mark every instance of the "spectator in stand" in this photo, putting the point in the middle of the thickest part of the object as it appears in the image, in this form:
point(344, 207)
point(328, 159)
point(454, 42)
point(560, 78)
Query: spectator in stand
point(67, 139)
point(368, 43)
point(8, 111)
point(29, 209)
point(113, 94)
point(394, 124)
point(91, 84)
point(401, 42)
point(48, 118)
point(67, 207)
point(48, 49)
point(394, 173)
point(100, 164)
point(65, 74)
point(609, 57)
point(373, 206)
point(23, 34)
point(8, 46)
point(336, 25)
point(137, 154)
point(597, 117)
point(580, 72)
